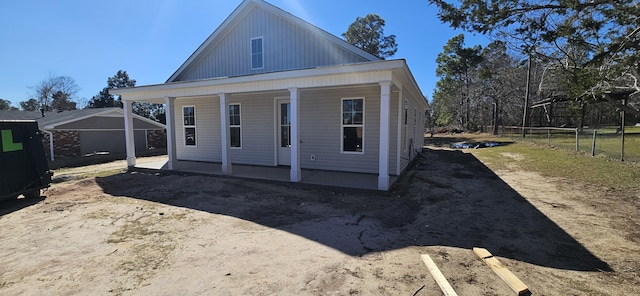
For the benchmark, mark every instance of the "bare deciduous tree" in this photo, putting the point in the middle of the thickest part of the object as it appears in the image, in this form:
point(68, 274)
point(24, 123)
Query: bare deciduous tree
point(45, 90)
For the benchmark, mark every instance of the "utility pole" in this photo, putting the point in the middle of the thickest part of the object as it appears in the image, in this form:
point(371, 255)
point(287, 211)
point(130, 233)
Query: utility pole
point(526, 98)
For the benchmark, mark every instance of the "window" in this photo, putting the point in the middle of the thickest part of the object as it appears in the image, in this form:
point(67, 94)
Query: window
point(352, 124)
point(235, 128)
point(257, 50)
point(285, 125)
point(189, 117)
point(406, 108)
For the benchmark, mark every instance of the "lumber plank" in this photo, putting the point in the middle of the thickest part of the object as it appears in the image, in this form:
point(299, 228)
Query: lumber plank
point(482, 253)
point(438, 276)
point(503, 272)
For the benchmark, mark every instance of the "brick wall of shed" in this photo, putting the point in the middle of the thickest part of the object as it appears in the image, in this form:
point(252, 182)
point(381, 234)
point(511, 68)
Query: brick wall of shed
point(65, 144)
point(156, 139)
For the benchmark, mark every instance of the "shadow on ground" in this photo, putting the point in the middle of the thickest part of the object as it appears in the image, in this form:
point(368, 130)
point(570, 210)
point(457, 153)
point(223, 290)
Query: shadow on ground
point(8, 206)
point(448, 198)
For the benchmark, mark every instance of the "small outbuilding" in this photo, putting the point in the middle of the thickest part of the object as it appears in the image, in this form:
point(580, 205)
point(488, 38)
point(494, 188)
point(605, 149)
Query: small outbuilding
point(80, 132)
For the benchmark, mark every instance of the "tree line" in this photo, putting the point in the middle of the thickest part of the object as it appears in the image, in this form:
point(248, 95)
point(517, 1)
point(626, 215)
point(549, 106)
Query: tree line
point(57, 93)
point(582, 55)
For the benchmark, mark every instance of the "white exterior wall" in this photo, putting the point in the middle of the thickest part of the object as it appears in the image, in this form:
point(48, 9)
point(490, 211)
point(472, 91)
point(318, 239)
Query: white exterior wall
point(412, 135)
point(320, 130)
point(207, 130)
point(257, 120)
point(393, 134)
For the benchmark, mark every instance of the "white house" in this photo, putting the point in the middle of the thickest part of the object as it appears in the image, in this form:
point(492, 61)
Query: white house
point(270, 89)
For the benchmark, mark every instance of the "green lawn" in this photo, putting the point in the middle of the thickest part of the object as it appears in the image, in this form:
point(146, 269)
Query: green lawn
point(608, 142)
point(562, 163)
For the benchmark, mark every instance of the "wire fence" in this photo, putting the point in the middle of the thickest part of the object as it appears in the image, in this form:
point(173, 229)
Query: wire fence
point(604, 141)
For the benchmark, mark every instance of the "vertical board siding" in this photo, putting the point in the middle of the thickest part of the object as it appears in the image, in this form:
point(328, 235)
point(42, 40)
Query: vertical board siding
point(257, 121)
point(207, 130)
point(287, 46)
point(321, 115)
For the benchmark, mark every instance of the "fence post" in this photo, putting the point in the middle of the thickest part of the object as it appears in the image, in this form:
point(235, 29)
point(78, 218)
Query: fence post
point(624, 105)
point(577, 139)
point(593, 143)
point(549, 136)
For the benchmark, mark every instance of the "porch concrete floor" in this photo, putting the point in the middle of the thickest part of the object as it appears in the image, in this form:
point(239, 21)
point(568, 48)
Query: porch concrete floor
point(272, 173)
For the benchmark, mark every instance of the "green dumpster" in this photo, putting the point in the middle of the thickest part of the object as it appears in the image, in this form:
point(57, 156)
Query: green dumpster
point(23, 163)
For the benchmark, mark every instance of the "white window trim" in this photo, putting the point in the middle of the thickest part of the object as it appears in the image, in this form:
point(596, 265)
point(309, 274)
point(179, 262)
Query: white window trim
point(240, 126)
point(251, 52)
point(342, 126)
point(184, 126)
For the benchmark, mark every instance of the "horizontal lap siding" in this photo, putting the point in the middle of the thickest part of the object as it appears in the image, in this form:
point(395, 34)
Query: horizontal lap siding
point(207, 130)
point(257, 120)
point(393, 134)
point(287, 46)
point(321, 115)
point(413, 134)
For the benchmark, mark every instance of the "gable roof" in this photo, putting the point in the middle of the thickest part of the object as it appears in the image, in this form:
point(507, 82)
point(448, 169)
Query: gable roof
point(19, 115)
point(241, 11)
point(53, 119)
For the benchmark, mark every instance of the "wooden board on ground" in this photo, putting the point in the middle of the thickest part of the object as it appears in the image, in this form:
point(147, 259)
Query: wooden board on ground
point(514, 283)
point(438, 276)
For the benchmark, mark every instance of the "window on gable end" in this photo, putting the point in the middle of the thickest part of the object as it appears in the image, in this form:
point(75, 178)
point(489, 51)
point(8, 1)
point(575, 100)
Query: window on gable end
point(257, 53)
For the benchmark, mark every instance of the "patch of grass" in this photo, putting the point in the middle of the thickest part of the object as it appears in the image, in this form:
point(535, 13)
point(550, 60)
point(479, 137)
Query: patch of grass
point(63, 175)
point(566, 164)
point(139, 228)
point(147, 244)
point(608, 142)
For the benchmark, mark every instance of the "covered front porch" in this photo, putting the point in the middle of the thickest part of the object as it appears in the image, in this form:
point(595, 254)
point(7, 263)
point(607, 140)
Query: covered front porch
point(271, 173)
point(383, 82)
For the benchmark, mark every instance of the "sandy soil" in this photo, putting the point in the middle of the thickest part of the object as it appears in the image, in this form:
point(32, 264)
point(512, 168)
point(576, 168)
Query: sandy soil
point(156, 234)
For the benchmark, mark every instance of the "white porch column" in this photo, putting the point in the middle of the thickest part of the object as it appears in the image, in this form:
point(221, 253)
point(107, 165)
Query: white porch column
point(383, 156)
point(128, 133)
point(296, 173)
point(225, 136)
point(171, 130)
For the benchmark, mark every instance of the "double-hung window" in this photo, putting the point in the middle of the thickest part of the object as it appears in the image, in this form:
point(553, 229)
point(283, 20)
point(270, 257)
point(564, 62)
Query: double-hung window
point(189, 119)
point(257, 53)
point(352, 124)
point(235, 126)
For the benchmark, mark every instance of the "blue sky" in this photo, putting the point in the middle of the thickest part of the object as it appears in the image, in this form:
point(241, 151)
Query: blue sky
point(91, 40)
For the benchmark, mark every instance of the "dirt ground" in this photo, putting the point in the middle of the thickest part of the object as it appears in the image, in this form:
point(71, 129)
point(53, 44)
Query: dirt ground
point(161, 234)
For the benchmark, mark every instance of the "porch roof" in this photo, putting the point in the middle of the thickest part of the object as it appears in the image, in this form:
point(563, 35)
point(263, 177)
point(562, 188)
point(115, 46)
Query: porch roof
point(395, 71)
